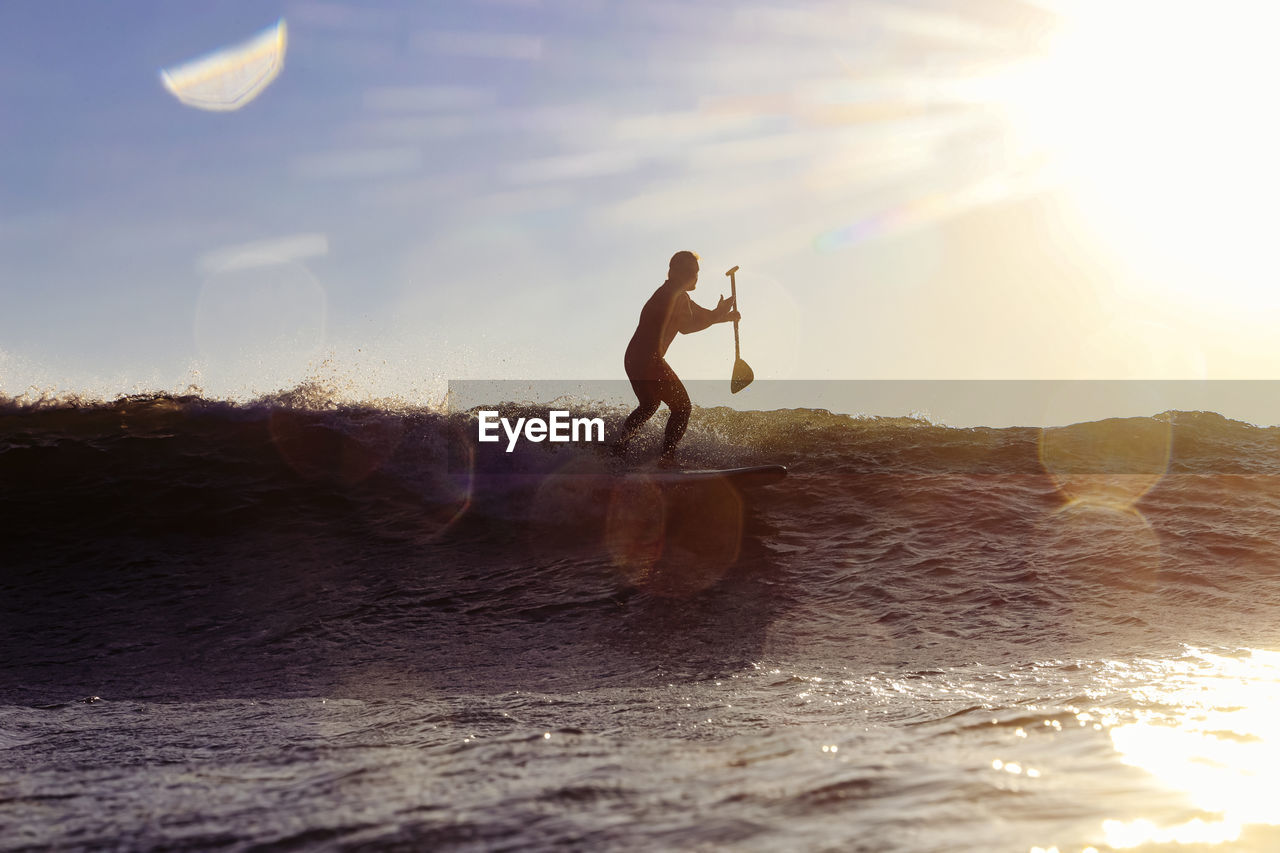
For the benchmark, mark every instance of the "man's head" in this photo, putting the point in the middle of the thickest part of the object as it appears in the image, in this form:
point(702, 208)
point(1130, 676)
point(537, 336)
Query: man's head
point(683, 269)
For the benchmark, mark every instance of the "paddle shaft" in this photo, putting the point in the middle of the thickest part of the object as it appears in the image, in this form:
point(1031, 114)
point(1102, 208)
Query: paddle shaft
point(742, 375)
point(733, 293)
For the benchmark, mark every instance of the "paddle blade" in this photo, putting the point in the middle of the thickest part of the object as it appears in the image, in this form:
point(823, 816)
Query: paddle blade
point(742, 376)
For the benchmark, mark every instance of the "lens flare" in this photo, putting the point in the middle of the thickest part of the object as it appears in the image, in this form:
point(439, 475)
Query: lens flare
point(1109, 463)
point(572, 493)
point(674, 541)
point(444, 488)
point(927, 209)
point(635, 527)
point(1087, 547)
point(319, 448)
point(229, 78)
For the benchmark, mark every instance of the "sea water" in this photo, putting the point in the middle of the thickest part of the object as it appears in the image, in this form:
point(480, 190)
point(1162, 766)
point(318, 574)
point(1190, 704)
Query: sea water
point(271, 626)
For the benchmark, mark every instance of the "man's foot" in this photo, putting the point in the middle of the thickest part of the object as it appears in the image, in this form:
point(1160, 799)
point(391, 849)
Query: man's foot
point(668, 460)
point(618, 449)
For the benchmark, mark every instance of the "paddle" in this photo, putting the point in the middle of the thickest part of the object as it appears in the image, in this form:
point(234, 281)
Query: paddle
point(742, 374)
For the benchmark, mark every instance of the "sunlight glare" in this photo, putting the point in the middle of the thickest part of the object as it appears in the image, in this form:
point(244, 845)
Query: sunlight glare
point(1221, 746)
point(1157, 119)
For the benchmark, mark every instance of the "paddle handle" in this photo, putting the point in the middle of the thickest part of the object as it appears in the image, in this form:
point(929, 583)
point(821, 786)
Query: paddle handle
point(733, 293)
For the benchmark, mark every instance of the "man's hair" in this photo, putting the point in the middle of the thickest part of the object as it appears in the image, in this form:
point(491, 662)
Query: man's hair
point(682, 260)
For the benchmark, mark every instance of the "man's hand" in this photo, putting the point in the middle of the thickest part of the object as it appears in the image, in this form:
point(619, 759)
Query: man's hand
point(726, 310)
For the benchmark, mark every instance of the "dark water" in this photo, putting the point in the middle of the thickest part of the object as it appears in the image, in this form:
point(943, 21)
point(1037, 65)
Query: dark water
point(317, 626)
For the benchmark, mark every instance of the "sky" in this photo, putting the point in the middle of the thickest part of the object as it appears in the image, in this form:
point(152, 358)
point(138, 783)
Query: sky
point(490, 189)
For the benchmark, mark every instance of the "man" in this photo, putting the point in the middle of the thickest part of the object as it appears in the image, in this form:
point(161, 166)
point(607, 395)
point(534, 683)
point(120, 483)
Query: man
point(668, 311)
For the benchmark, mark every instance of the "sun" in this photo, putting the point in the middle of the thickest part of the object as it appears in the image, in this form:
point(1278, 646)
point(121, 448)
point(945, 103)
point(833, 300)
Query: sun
point(1159, 120)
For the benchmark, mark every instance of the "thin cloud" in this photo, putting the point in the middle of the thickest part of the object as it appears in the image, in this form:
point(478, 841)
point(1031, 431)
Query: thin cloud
point(423, 128)
point(427, 98)
point(573, 166)
point(359, 163)
point(681, 127)
point(341, 17)
point(481, 45)
point(693, 199)
point(523, 201)
point(294, 247)
point(753, 150)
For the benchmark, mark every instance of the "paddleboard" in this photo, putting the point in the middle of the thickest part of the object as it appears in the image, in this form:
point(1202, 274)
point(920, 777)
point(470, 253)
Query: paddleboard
point(749, 477)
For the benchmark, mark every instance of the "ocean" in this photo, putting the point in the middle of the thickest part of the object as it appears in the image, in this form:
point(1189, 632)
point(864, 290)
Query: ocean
point(298, 624)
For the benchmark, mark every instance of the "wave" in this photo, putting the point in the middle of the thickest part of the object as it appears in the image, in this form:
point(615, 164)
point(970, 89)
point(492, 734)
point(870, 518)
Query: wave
point(153, 534)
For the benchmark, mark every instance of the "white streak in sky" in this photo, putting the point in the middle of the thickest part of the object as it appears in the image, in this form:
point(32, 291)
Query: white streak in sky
point(341, 17)
point(585, 165)
point(358, 163)
point(481, 45)
point(698, 199)
point(681, 127)
point(410, 128)
point(427, 98)
point(294, 247)
point(752, 150)
point(783, 22)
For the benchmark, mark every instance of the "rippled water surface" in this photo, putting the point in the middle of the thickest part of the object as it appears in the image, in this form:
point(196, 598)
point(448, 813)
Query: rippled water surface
point(315, 629)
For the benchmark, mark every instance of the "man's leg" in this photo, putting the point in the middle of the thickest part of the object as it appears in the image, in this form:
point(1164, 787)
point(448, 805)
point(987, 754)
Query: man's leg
point(677, 399)
point(634, 421)
point(648, 393)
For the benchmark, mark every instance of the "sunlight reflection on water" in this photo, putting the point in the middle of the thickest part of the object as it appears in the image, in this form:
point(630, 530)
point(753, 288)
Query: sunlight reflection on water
point(1209, 728)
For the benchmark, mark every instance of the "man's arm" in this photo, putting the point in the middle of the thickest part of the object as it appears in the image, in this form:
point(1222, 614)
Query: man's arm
point(699, 318)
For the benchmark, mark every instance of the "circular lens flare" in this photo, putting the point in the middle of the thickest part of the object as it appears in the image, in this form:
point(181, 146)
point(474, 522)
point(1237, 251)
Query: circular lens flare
point(674, 540)
point(1110, 463)
point(318, 447)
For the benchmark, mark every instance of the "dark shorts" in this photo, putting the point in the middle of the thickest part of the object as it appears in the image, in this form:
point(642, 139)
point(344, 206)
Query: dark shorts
point(655, 382)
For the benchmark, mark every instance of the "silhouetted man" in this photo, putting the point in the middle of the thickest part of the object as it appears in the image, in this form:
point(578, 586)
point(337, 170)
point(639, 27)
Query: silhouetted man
point(668, 311)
